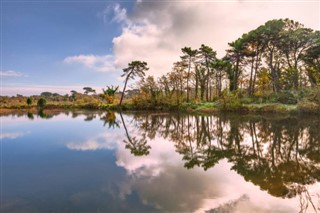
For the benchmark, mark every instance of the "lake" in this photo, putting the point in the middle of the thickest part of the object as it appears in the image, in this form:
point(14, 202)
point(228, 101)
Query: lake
point(159, 162)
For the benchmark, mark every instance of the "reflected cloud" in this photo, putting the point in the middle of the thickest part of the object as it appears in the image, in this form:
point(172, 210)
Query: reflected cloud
point(204, 143)
point(12, 135)
point(210, 163)
point(175, 189)
point(244, 204)
point(102, 141)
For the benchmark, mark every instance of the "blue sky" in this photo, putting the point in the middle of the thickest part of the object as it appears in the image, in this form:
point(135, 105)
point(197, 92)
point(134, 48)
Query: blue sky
point(38, 36)
point(65, 45)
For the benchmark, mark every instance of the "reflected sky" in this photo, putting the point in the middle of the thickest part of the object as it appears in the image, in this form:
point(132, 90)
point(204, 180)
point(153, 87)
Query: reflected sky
point(80, 162)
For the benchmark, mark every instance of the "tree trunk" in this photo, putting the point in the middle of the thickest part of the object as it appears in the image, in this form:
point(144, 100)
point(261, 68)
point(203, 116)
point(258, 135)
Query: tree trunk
point(296, 75)
point(197, 83)
point(126, 130)
point(255, 72)
point(273, 72)
point(124, 89)
point(207, 89)
point(188, 79)
point(202, 89)
point(236, 74)
point(251, 78)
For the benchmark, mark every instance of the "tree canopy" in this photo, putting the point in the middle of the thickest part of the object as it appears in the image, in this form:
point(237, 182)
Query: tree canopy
point(277, 56)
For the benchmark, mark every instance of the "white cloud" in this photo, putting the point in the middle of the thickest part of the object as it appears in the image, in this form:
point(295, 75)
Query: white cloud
point(11, 73)
point(104, 63)
point(113, 13)
point(156, 31)
point(120, 14)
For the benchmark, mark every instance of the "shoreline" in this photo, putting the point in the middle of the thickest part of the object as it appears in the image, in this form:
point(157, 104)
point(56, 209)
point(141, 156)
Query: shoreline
point(202, 108)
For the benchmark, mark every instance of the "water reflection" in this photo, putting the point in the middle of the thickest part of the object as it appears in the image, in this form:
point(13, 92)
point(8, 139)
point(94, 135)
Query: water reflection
point(165, 162)
point(280, 155)
point(137, 146)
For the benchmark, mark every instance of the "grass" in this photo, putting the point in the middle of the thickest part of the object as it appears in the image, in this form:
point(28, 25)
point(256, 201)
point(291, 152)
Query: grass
point(286, 102)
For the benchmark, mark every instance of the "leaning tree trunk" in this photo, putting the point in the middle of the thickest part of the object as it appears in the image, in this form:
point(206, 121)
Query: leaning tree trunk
point(124, 89)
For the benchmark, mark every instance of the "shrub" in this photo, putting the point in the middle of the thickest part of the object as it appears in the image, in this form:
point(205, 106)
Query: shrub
point(29, 101)
point(90, 106)
point(286, 97)
point(247, 100)
point(273, 108)
point(308, 106)
point(41, 102)
point(230, 102)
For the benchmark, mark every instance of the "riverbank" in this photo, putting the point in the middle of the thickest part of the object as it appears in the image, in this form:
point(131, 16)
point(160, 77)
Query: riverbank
point(206, 108)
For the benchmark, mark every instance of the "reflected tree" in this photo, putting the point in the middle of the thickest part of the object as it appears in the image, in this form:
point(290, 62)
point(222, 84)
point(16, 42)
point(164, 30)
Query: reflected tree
point(110, 119)
point(90, 116)
point(44, 115)
point(137, 147)
point(30, 115)
point(280, 155)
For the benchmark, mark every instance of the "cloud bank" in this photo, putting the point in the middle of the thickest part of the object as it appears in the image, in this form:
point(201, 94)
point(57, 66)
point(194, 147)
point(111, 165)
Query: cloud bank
point(156, 31)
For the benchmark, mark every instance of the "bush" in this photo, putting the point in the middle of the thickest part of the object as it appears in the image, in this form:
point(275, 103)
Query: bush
point(308, 106)
point(29, 101)
point(312, 94)
point(286, 97)
point(272, 108)
point(247, 100)
point(230, 102)
point(90, 106)
point(41, 102)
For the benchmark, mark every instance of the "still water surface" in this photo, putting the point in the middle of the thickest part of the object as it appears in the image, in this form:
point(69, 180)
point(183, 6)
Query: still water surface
point(159, 162)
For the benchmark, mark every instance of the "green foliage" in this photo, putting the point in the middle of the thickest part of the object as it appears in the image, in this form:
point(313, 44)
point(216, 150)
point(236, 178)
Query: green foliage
point(271, 108)
point(308, 106)
point(90, 106)
point(46, 94)
point(204, 107)
point(41, 102)
point(88, 90)
point(29, 101)
point(109, 94)
point(135, 68)
point(111, 91)
point(247, 100)
point(286, 97)
point(142, 101)
point(230, 102)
